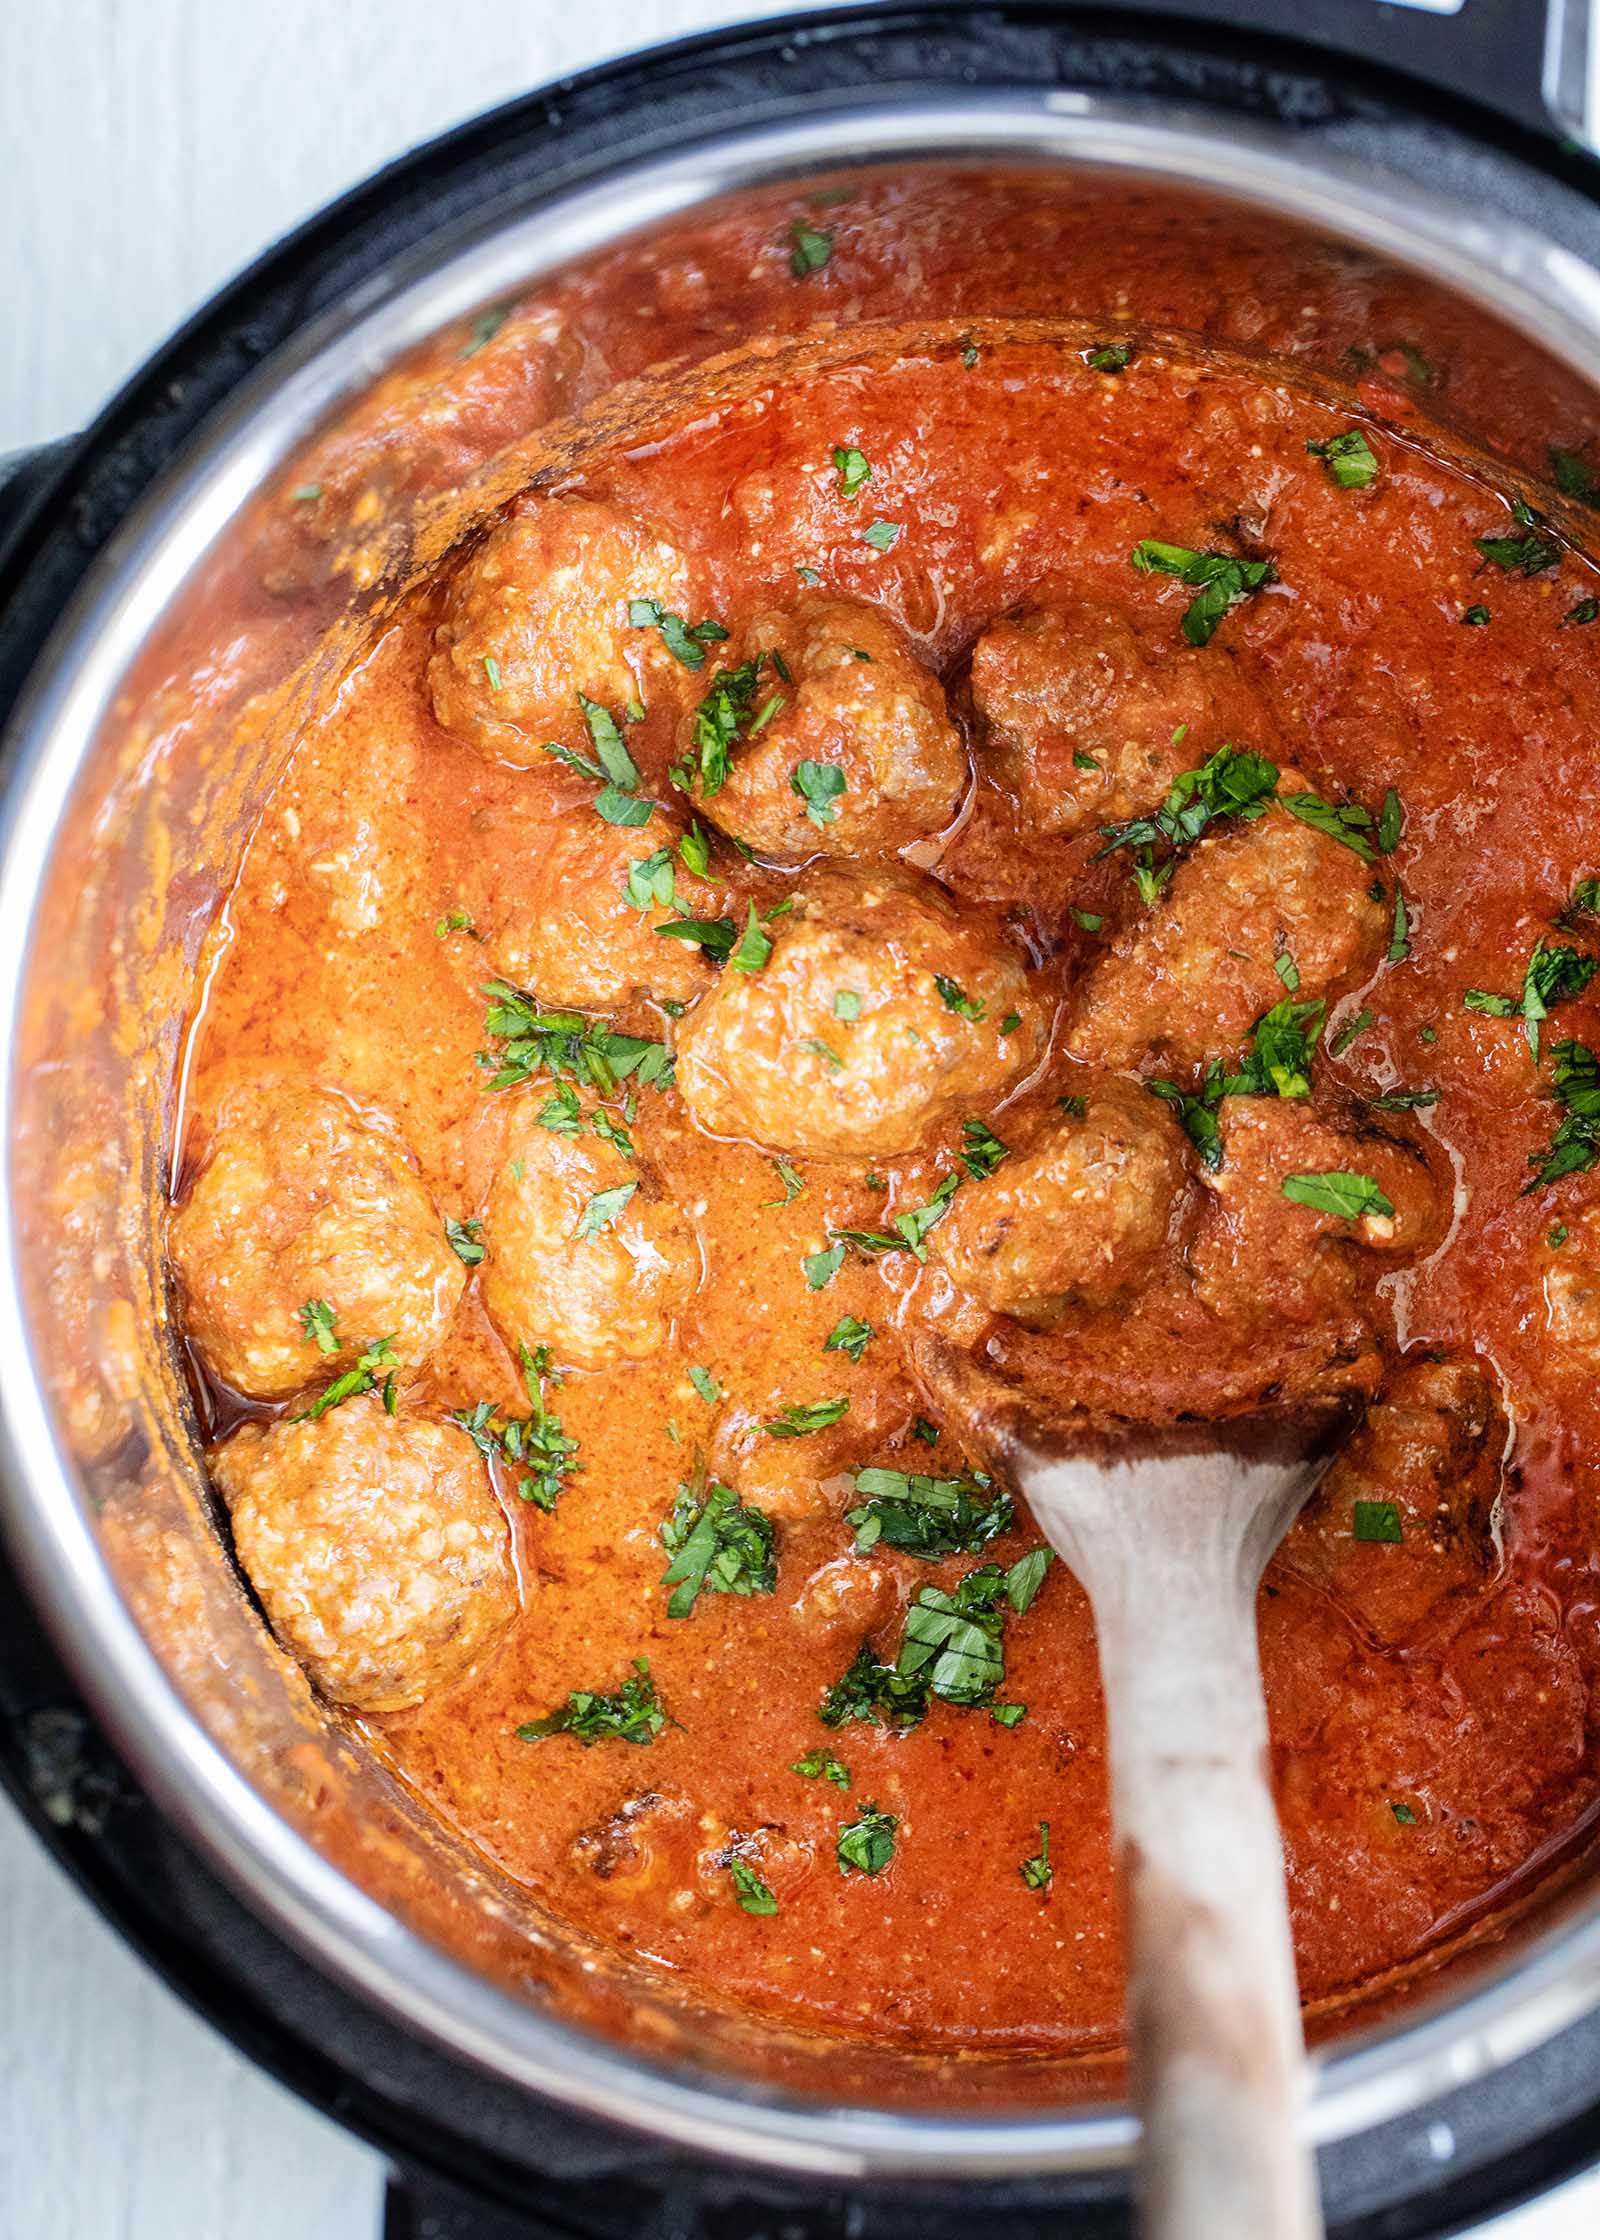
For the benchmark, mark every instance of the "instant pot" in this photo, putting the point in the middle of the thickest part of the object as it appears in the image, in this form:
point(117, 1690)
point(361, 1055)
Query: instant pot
point(157, 1740)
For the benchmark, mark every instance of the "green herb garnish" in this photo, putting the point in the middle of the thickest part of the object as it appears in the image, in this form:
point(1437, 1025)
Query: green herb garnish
point(1348, 1196)
point(317, 1323)
point(465, 1239)
point(928, 1517)
point(866, 1846)
point(362, 1378)
point(1349, 459)
point(1037, 1872)
point(535, 1446)
point(1376, 1520)
point(822, 1765)
point(717, 1546)
point(633, 1714)
point(819, 785)
point(684, 641)
point(801, 1417)
point(1222, 579)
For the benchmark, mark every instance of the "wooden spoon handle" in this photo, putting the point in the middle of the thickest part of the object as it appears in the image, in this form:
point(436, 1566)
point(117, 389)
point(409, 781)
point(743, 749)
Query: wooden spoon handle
point(1213, 2002)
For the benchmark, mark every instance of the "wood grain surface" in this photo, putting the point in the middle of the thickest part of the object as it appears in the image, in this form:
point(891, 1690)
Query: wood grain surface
point(151, 148)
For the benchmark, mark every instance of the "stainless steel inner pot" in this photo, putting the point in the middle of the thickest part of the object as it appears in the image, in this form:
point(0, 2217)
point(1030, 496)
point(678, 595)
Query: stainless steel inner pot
point(114, 849)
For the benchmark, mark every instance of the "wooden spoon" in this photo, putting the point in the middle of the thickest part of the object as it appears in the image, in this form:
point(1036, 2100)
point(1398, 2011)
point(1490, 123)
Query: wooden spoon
point(1169, 1532)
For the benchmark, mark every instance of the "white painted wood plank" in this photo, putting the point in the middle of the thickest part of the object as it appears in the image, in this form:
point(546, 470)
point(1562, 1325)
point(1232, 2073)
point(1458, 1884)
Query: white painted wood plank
point(150, 148)
point(122, 2117)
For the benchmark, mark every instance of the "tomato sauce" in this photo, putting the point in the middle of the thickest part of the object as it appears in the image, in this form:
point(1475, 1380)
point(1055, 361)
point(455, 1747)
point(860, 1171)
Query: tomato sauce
point(1424, 1772)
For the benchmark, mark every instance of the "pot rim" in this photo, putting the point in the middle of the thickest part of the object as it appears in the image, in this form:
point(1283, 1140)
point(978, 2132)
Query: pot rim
point(1522, 1998)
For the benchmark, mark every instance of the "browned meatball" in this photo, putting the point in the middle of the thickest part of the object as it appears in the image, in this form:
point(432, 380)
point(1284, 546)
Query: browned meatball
point(302, 1206)
point(576, 932)
point(1431, 1448)
point(377, 1547)
point(1185, 982)
point(1263, 1259)
point(1080, 1218)
point(572, 1262)
point(539, 614)
point(1086, 716)
point(881, 1011)
point(853, 703)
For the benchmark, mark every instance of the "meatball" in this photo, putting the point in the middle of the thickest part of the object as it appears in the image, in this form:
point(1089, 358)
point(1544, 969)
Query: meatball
point(1431, 1446)
point(576, 931)
point(1569, 1278)
point(881, 1011)
point(302, 1206)
point(585, 1253)
point(1086, 716)
point(377, 1547)
point(1263, 1259)
point(1080, 1218)
point(1186, 981)
point(539, 614)
point(851, 700)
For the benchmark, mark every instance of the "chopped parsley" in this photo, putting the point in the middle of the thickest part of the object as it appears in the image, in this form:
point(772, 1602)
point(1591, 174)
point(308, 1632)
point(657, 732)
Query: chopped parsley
point(684, 641)
point(810, 247)
point(955, 998)
point(1586, 611)
point(726, 714)
point(362, 1378)
point(846, 1004)
point(1349, 1031)
point(754, 947)
point(305, 493)
point(706, 1385)
point(1553, 975)
point(1344, 821)
point(1391, 822)
point(1037, 1872)
point(801, 1417)
point(1573, 476)
point(1348, 1196)
point(1008, 1714)
point(749, 1890)
point(611, 762)
point(633, 1714)
point(1288, 971)
point(1111, 357)
point(695, 849)
point(1558, 1236)
point(1221, 579)
point(1575, 1146)
point(317, 1322)
point(535, 1446)
point(815, 1047)
point(822, 1765)
point(465, 1239)
point(793, 1183)
point(1376, 1520)
point(822, 1267)
point(1476, 616)
point(929, 1517)
point(651, 882)
point(910, 1229)
point(1090, 920)
point(717, 1546)
point(1405, 1100)
point(866, 1846)
point(456, 920)
point(1528, 555)
point(883, 536)
point(491, 670)
point(950, 1648)
point(819, 785)
point(1349, 459)
point(1278, 1063)
point(1400, 932)
point(564, 1045)
point(981, 1149)
point(604, 1207)
point(1403, 1813)
point(849, 1335)
point(715, 936)
point(855, 470)
point(1230, 783)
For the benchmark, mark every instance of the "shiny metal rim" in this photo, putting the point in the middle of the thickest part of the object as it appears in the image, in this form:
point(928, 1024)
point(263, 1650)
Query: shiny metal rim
point(1537, 285)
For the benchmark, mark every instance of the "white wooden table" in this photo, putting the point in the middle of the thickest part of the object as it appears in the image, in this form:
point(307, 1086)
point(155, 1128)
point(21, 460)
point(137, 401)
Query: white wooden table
point(150, 147)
